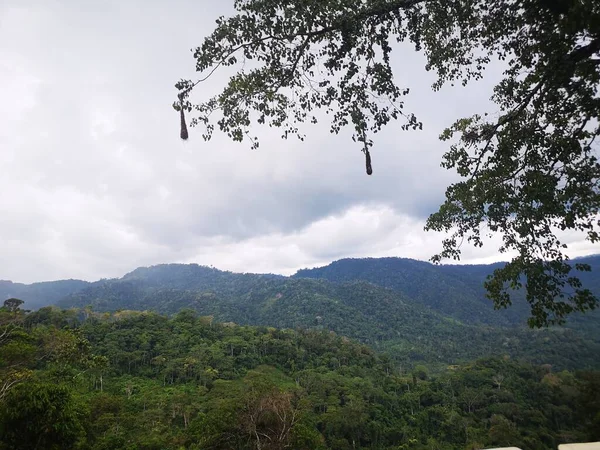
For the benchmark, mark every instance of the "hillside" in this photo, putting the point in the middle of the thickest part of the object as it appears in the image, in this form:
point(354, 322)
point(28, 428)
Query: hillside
point(145, 381)
point(382, 318)
point(416, 311)
point(454, 290)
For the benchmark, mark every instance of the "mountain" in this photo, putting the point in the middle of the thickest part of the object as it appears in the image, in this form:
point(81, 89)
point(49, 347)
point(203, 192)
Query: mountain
point(454, 290)
point(176, 276)
point(41, 294)
point(380, 317)
point(119, 377)
point(414, 310)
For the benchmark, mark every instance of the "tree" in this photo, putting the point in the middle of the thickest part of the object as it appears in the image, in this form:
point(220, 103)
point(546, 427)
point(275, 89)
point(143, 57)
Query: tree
point(37, 416)
point(13, 304)
point(526, 173)
point(17, 351)
point(503, 431)
point(269, 419)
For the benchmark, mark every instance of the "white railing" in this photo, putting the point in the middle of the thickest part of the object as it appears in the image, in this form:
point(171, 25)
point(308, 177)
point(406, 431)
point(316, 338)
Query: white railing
point(583, 446)
point(588, 446)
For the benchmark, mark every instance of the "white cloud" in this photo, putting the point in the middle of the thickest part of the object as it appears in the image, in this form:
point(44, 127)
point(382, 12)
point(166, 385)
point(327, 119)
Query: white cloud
point(361, 231)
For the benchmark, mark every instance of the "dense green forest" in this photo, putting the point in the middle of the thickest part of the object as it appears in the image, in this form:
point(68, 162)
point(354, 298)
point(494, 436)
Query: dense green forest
point(386, 303)
point(378, 317)
point(140, 380)
point(454, 290)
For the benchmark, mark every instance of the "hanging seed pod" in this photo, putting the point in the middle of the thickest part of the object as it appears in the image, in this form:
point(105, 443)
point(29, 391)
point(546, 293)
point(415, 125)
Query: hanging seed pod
point(183, 134)
point(368, 161)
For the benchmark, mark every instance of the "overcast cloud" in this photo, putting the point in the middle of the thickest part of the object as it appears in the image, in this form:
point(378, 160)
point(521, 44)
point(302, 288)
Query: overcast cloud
point(95, 181)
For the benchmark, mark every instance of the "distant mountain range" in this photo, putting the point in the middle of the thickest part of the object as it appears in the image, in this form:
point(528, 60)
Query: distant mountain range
point(37, 295)
point(414, 310)
point(454, 290)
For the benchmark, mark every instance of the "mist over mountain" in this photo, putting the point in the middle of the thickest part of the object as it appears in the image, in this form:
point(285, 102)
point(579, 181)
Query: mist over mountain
point(37, 295)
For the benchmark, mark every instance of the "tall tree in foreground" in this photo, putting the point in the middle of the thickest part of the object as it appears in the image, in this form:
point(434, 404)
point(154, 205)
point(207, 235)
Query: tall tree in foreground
point(40, 416)
point(527, 172)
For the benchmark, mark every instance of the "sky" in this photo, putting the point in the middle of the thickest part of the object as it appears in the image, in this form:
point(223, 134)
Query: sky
point(96, 182)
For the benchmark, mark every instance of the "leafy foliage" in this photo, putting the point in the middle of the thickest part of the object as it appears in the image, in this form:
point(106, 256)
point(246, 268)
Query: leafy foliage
point(307, 55)
point(534, 169)
point(40, 416)
point(189, 382)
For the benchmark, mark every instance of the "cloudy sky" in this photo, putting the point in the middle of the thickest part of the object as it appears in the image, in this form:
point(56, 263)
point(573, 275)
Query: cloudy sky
point(95, 181)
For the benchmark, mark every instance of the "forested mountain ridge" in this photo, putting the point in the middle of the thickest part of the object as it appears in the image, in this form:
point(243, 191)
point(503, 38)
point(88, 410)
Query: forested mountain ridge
point(407, 324)
point(196, 277)
point(379, 317)
point(424, 283)
point(135, 380)
point(455, 290)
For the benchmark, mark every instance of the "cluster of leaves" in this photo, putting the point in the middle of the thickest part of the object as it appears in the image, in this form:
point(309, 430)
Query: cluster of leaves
point(188, 382)
point(22, 351)
point(304, 56)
